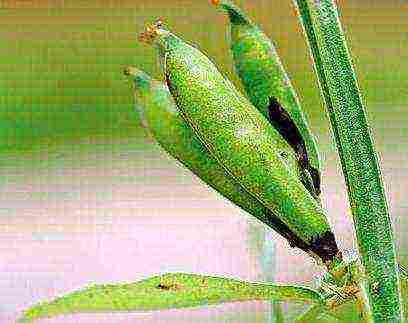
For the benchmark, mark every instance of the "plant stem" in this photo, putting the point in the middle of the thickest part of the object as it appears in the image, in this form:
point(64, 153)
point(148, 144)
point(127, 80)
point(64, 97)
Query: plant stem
point(268, 267)
point(311, 314)
point(358, 157)
point(363, 303)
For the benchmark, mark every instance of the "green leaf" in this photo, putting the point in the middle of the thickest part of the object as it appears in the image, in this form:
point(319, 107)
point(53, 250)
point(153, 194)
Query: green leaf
point(357, 155)
point(174, 290)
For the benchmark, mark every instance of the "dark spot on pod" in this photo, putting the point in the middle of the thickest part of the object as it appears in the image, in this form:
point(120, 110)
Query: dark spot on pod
point(280, 119)
point(302, 158)
point(325, 247)
point(282, 228)
point(126, 70)
point(314, 173)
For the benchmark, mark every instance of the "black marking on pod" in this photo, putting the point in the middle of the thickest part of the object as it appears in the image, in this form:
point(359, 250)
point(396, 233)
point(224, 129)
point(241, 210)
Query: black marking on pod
point(281, 121)
point(281, 227)
point(273, 221)
point(325, 246)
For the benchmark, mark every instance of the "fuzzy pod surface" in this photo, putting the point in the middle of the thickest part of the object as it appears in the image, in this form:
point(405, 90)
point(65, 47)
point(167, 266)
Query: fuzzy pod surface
point(159, 114)
point(242, 140)
point(266, 81)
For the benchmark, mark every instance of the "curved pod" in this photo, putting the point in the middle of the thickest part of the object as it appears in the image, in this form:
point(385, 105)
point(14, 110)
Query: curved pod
point(241, 140)
point(160, 116)
point(265, 81)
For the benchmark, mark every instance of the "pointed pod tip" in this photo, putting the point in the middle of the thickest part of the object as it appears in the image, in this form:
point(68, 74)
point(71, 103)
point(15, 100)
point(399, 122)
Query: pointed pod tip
point(127, 70)
point(236, 15)
point(138, 77)
point(151, 31)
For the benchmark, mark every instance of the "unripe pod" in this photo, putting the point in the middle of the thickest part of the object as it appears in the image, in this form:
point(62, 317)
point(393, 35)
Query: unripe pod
point(160, 116)
point(268, 86)
point(242, 140)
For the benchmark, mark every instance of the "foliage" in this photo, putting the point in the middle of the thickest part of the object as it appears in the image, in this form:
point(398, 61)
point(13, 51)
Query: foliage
point(167, 291)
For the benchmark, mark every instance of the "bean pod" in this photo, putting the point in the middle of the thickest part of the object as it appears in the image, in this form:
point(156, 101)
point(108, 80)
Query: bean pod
point(159, 115)
point(241, 140)
point(269, 88)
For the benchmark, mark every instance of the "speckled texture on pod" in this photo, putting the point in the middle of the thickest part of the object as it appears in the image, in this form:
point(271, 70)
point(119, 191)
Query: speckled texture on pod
point(159, 114)
point(264, 77)
point(242, 141)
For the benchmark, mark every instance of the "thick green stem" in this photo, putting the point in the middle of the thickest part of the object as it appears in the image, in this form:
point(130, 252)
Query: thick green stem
point(357, 154)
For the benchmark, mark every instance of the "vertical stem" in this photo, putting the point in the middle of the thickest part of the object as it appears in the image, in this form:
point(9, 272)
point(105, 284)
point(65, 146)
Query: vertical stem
point(357, 155)
point(268, 266)
point(311, 314)
point(276, 313)
point(363, 303)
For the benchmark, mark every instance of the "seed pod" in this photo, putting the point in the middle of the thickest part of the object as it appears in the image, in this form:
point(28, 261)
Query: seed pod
point(269, 88)
point(160, 116)
point(241, 140)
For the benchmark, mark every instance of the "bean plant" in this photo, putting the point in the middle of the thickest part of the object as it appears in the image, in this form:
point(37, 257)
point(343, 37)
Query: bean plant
point(257, 150)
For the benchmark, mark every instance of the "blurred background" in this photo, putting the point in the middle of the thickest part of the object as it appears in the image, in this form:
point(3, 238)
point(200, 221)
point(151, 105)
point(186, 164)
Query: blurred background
point(87, 197)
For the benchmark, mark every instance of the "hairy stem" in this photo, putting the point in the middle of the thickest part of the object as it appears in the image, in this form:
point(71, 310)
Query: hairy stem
point(358, 157)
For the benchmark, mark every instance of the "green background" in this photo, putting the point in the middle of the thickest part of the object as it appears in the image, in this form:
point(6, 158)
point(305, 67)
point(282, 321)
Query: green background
point(61, 64)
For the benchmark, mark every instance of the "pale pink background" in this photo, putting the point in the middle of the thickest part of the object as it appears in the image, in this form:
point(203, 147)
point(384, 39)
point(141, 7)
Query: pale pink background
point(125, 212)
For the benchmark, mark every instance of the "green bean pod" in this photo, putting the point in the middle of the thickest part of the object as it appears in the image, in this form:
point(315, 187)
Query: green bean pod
point(266, 82)
point(241, 140)
point(160, 116)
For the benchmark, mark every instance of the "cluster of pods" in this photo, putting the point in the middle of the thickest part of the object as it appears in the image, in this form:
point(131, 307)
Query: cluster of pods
point(255, 150)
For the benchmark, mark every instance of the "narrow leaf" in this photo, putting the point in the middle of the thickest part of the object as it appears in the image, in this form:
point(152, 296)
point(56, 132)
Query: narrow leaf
point(357, 154)
point(173, 290)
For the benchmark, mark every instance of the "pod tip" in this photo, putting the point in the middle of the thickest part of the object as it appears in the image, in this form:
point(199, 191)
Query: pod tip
point(127, 70)
point(150, 33)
